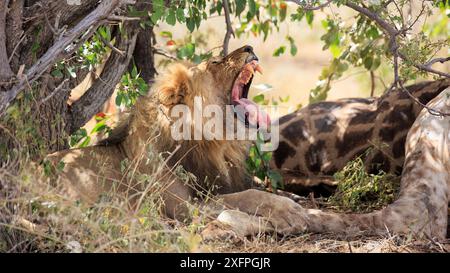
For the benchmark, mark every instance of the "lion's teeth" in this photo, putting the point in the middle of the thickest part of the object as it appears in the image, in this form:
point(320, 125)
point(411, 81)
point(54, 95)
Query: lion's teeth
point(259, 69)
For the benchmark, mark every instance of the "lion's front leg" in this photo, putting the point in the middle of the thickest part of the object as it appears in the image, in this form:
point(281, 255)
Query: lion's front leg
point(252, 211)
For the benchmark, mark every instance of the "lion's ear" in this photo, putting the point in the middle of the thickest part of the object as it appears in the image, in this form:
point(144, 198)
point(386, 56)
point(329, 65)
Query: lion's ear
point(174, 86)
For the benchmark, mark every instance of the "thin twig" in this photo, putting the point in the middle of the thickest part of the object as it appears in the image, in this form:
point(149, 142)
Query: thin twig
point(166, 54)
point(123, 18)
point(310, 6)
point(16, 47)
point(432, 111)
point(372, 83)
point(111, 46)
point(229, 32)
point(57, 89)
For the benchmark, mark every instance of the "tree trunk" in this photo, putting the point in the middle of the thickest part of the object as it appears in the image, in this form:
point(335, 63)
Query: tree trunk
point(26, 41)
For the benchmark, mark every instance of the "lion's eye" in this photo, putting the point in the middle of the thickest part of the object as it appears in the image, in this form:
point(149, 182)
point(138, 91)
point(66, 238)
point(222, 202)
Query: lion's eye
point(216, 61)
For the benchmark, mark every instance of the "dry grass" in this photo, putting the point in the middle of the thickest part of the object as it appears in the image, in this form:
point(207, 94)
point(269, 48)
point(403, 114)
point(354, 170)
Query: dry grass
point(35, 217)
point(325, 243)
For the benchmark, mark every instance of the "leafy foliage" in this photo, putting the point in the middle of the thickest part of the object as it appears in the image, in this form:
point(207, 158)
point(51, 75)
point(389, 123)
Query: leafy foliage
point(257, 164)
point(359, 191)
point(131, 87)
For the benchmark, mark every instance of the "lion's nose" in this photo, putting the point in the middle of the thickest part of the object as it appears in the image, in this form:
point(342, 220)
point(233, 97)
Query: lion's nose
point(251, 56)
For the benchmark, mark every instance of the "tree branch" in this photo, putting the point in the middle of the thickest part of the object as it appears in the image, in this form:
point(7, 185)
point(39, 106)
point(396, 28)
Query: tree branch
point(393, 33)
point(54, 53)
point(309, 6)
point(57, 89)
point(101, 90)
point(229, 32)
point(436, 60)
point(111, 46)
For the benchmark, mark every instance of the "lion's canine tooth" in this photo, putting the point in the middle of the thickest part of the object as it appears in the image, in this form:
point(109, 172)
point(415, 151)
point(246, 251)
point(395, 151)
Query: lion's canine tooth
point(259, 69)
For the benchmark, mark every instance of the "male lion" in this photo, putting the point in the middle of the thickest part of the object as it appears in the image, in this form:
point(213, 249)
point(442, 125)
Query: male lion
point(218, 164)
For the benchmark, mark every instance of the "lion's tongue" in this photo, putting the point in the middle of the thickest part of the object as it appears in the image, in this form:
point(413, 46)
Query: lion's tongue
point(256, 116)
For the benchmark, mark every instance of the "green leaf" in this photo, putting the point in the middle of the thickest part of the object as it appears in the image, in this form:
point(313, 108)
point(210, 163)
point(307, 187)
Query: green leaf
point(100, 126)
point(60, 166)
point(180, 15)
point(240, 6)
point(259, 98)
point(251, 9)
point(134, 72)
point(170, 19)
point(86, 142)
point(57, 73)
point(285, 99)
point(335, 50)
point(309, 17)
point(368, 61)
point(71, 71)
point(119, 99)
point(276, 180)
point(166, 34)
point(376, 63)
point(265, 27)
point(190, 23)
point(158, 10)
point(187, 51)
point(292, 45)
point(279, 51)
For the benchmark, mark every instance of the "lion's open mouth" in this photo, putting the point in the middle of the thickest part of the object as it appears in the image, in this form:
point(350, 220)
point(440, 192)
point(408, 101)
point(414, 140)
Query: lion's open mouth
point(245, 109)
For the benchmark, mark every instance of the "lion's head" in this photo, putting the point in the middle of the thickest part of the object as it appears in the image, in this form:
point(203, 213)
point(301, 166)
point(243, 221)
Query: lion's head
point(218, 82)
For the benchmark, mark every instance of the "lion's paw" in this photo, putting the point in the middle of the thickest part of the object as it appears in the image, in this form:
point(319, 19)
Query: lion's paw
point(217, 231)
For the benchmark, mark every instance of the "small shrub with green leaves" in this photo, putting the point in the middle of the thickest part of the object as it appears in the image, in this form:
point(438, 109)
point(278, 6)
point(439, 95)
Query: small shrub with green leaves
point(359, 191)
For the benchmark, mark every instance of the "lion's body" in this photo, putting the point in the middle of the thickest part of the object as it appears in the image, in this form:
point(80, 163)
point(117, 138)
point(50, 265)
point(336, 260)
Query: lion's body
point(112, 165)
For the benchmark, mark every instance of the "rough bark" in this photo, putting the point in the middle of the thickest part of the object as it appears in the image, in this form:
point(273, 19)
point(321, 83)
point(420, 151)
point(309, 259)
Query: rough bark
point(51, 110)
point(14, 23)
point(5, 70)
point(143, 54)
